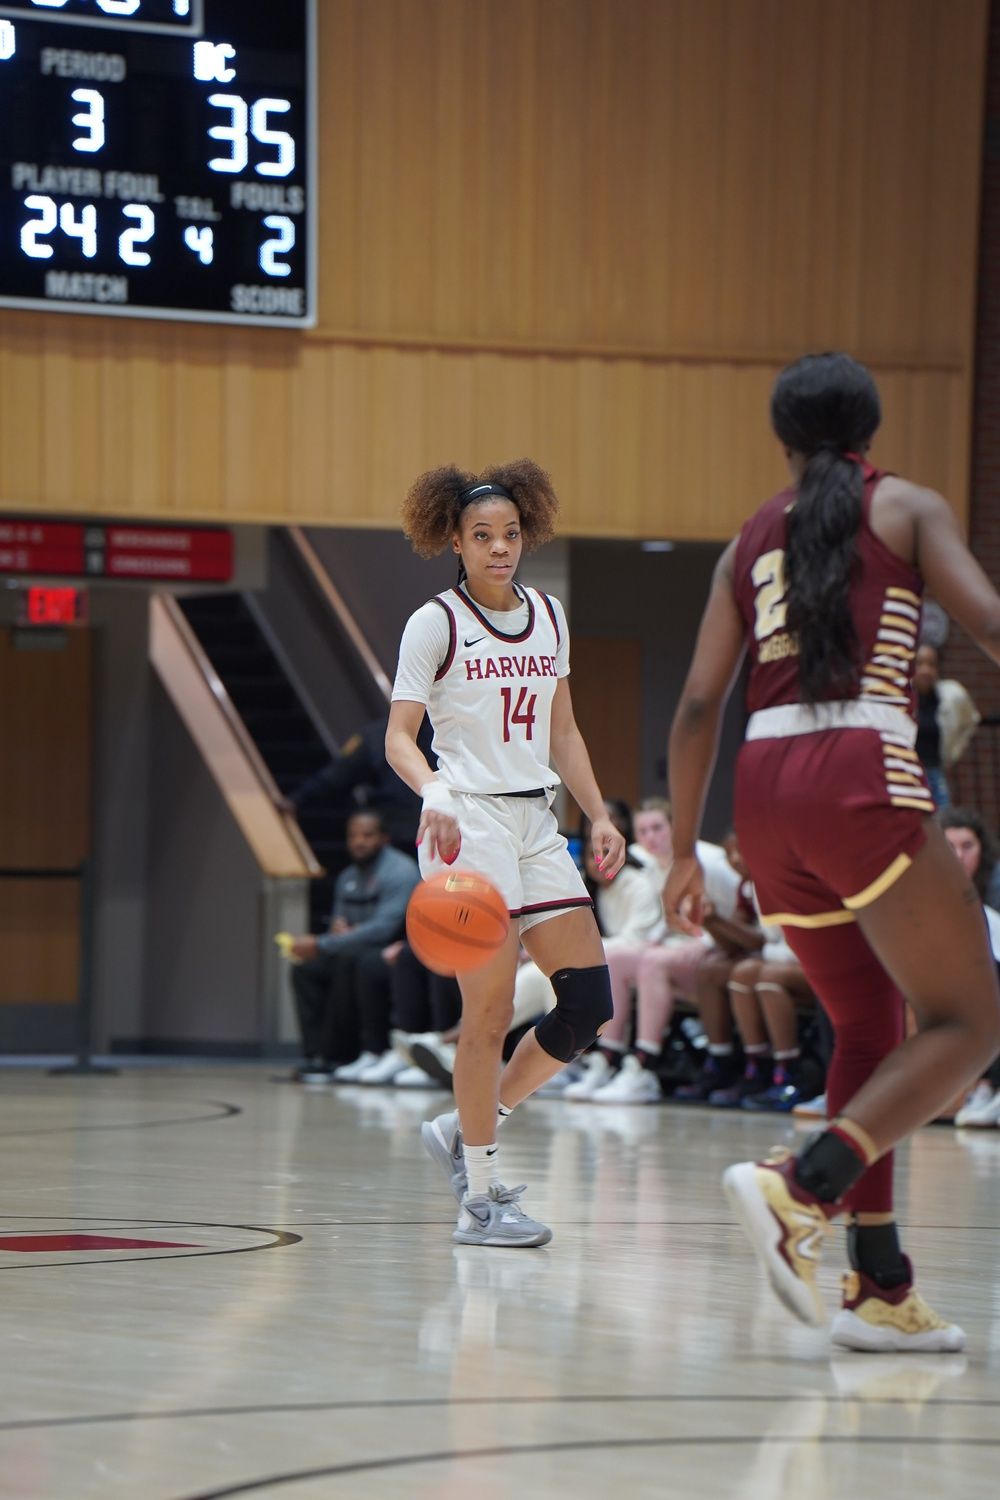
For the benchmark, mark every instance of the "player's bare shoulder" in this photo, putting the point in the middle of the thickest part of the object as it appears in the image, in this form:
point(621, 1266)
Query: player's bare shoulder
point(895, 511)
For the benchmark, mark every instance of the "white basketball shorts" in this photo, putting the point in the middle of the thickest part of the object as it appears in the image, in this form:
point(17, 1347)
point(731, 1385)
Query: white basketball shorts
point(516, 844)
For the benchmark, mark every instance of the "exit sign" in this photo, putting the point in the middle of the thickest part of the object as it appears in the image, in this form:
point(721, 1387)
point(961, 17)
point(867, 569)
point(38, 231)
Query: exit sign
point(53, 606)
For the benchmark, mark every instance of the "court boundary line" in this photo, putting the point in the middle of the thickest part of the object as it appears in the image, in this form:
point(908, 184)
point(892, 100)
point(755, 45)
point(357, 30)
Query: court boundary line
point(226, 1112)
point(363, 1466)
point(403, 1403)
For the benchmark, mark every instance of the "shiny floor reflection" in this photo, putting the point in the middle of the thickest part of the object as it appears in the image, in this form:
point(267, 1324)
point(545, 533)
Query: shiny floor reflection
point(219, 1285)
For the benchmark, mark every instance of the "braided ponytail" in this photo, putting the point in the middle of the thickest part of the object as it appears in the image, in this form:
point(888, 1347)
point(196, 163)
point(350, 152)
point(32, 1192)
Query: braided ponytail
point(825, 407)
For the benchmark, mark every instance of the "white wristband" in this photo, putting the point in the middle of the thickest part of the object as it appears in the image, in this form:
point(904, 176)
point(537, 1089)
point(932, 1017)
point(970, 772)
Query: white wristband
point(437, 798)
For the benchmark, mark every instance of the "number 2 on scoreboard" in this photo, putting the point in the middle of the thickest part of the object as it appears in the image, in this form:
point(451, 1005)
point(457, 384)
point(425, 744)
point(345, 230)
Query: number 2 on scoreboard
point(521, 712)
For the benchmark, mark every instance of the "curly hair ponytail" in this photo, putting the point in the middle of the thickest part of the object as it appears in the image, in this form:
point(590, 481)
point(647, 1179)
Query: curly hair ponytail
point(433, 507)
point(825, 407)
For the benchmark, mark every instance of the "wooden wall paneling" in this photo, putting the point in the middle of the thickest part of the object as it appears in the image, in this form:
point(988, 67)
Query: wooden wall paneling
point(198, 461)
point(152, 426)
point(22, 411)
point(72, 415)
point(257, 392)
point(39, 937)
point(45, 754)
point(587, 229)
point(607, 702)
point(954, 155)
point(116, 419)
point(310, 415)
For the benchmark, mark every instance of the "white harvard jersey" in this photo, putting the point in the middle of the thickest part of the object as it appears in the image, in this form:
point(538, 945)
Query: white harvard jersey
point(490, 695)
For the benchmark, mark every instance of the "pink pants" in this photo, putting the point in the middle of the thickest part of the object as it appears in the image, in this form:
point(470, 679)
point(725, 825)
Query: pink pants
point(658, 972)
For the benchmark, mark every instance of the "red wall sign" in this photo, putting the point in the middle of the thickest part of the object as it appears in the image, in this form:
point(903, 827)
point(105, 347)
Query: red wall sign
point(153, 553)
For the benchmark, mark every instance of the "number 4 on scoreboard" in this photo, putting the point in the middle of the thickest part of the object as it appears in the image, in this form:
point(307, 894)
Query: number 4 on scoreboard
point(201, 240)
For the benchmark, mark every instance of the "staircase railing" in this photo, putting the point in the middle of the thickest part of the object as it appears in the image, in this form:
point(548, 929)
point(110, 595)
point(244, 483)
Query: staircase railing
point(338, 605)
point(229, 752)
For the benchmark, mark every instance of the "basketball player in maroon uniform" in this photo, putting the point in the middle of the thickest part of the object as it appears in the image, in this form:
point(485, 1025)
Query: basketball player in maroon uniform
point(823, 587)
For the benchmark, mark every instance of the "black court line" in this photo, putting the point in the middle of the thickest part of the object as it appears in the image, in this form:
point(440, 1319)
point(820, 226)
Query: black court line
point(406, 1403)
point(281, 1239)
point(621, 1224)
point(222, 1110)
point(595, 1445)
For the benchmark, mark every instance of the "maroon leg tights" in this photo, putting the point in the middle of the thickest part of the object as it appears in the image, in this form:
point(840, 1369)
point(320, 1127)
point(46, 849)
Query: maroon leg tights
point(866, 1012)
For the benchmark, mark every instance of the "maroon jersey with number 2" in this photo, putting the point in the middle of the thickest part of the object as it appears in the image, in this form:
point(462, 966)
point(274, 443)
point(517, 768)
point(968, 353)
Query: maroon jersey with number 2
point(830, 801)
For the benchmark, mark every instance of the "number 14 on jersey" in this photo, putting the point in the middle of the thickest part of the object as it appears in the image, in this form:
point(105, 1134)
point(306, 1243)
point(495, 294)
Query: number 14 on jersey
point(521, 713)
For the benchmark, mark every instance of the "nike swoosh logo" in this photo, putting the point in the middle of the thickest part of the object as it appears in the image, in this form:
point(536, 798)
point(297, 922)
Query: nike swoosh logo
point(476, 641)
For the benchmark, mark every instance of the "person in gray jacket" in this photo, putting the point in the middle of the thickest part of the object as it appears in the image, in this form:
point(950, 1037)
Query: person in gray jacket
point(330, 971)
point(946, 721)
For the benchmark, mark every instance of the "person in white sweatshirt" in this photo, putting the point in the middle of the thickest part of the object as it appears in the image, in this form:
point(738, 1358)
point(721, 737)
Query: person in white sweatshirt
point(630, 917)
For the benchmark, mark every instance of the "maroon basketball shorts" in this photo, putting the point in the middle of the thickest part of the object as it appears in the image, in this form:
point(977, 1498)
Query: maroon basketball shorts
point(828, 821)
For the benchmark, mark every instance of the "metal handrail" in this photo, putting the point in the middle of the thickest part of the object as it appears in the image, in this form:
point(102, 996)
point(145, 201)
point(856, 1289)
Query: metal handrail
point(338, 604)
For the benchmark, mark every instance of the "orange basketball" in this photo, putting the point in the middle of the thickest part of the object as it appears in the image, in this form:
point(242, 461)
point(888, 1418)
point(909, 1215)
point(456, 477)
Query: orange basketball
point(456, 921)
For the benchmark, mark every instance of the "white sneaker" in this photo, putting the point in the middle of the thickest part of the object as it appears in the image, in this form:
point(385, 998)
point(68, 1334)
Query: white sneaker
point(632, 1084)
point(597, 1071)
point(414, 1078)
point(811, 1109)
point(384, 1069)
point(435, 1056)
point(982, 1108)
point(351, 1072)
point(556, 1086)
point(497, 1218)
point(401, 1041)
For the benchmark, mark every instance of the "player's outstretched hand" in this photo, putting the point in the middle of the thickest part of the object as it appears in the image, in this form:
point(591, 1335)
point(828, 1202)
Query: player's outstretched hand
point(684, 896)
point(442, 833)
point(608, 846)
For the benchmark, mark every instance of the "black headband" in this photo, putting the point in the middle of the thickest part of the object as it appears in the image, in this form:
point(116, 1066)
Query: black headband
point(482, 492)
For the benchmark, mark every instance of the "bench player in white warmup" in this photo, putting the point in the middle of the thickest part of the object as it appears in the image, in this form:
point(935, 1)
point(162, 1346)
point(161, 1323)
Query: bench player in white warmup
point(489, 662)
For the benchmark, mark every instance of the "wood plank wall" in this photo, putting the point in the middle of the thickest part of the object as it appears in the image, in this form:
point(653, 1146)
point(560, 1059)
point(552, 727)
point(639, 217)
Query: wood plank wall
point(589, 230)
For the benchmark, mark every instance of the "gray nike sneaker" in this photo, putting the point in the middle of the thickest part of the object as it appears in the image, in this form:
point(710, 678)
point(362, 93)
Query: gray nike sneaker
point(442, 1139)
point(498, 1219)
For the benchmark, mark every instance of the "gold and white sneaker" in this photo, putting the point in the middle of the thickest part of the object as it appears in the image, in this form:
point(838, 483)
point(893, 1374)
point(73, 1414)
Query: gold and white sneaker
point(786, 1227)
point(896, 1321)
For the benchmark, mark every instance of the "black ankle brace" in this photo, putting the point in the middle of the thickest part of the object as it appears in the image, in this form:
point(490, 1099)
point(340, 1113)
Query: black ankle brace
point(828, 1167)
point(875, 1250)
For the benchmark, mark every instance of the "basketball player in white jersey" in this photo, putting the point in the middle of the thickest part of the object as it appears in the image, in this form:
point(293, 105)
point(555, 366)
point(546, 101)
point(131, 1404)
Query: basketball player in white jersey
point(489, 662)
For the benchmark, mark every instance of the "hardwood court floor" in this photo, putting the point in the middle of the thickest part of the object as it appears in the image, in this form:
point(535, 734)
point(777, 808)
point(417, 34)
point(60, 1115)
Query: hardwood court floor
point(217, 1285)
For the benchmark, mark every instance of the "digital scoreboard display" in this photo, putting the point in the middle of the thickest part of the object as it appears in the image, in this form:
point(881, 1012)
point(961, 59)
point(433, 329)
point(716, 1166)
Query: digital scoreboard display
point(157, 158)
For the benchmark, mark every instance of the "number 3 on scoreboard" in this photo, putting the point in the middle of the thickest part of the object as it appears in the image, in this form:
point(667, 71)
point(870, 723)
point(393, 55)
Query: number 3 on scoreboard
point(768, 573)
point(522, 712)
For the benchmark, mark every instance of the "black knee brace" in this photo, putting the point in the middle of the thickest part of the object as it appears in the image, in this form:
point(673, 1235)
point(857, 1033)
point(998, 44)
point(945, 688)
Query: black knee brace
point(583, 1004)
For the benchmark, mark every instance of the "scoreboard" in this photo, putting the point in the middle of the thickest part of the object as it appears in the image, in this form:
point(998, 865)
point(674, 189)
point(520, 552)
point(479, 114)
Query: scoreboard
point(158, 158)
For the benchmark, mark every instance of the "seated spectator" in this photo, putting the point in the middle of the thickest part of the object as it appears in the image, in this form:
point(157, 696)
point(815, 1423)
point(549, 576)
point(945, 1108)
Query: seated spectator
point(628, 915)
point(361, 771)
point(426, 1009)
point(976, 851)
point(764, 991)
point(332, 971)
point(780, 989)
point(733, 940)
point(667, 969)
point(946, 721)
point(396, 997)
